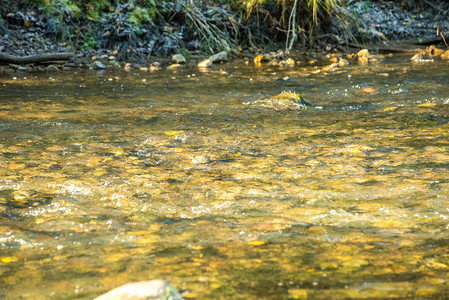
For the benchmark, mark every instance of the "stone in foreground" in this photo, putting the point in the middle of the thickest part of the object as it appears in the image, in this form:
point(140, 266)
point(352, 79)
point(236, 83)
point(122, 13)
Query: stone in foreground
point(156, 289)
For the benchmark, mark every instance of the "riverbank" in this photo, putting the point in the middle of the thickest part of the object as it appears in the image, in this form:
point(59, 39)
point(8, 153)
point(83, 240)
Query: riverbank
point(126, 37)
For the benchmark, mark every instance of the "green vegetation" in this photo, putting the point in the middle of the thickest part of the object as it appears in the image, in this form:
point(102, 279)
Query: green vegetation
point(245, 22)
point(162, 27)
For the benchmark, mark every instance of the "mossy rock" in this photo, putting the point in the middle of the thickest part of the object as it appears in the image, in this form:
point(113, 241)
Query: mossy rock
point(286, 100)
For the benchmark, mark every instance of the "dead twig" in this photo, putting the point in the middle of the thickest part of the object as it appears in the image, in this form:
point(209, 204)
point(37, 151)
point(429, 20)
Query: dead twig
point(291, 27)
point(436, 8)
point(46, 58)
point(444, 40)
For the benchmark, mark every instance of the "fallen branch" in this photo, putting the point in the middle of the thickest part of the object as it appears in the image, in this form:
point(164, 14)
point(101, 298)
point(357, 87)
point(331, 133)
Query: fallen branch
point(438, 9)
point(386, 49)
point(46, 58)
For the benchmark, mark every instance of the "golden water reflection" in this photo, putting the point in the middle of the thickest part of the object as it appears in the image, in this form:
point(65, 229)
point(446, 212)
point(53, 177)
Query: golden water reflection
point(109, 177)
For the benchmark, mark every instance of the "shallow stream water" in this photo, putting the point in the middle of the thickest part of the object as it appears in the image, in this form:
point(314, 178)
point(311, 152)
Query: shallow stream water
point(112, 177)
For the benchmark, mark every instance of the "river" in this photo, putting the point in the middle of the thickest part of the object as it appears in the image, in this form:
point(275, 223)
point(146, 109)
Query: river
point(111, 177)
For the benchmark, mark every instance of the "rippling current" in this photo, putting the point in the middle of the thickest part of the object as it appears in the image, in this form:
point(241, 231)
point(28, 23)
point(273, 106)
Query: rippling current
point(112, 177)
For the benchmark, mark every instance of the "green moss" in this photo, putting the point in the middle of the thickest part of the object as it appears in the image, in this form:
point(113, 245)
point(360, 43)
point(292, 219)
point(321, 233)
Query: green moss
point(139, 15)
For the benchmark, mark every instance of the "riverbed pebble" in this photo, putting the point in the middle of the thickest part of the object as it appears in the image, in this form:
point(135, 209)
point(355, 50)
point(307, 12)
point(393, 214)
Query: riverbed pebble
point(445, 55)
point(51, 68)
point(200, 159)
point(178, 58)
point(205, 63)
point(174, 67)
point(98, 65)
point(219, 57)
point(289, 62)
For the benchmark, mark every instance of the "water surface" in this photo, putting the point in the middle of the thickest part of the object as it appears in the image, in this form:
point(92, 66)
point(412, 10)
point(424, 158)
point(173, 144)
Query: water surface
point(111, 177)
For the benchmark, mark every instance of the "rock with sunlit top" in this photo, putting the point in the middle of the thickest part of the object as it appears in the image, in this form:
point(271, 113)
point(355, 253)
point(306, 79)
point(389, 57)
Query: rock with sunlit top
point(285, 100)
point(156, 289)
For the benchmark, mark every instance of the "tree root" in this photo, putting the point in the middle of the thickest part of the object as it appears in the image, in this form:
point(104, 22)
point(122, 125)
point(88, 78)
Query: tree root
point(217, 38)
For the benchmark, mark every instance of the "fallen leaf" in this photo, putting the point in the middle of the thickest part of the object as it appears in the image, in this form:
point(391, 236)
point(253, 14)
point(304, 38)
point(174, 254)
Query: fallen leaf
point(256, 243)
point(171, 132)
point(391, 108)
point(427, 104)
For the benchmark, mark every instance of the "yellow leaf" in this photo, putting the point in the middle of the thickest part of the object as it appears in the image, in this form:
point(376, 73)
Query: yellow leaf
point(391, 108)
point(118, 153)
point(427, 104)
point(258, 59)
point(197, 247)
point(8, 259)
point(256, 243)
point(354, 150)
point(171, 132)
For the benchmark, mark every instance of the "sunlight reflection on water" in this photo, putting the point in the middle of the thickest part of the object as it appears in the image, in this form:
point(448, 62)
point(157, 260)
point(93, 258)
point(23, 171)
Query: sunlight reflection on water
point(115, 177)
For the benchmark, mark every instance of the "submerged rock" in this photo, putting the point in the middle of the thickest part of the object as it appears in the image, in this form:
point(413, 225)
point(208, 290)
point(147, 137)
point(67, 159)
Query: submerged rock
point(174, 67)
point(156, 289)
point(51, 68)
point(285, 100)
point(201, 159)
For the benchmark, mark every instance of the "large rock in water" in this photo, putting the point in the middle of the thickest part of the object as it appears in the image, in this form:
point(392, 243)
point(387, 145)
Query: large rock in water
point(219, 57)
point(285, 100)
point(156, 289)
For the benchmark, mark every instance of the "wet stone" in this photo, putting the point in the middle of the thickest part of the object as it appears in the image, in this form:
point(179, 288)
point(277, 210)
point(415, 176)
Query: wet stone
point(179, 59)
point(205, 63)
point(285, 100)
point(97, 65)
point(152, 289)
point(289, 62)
point(51, 68)
point(174, 67)
point(18, 67)
point(219, 57)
